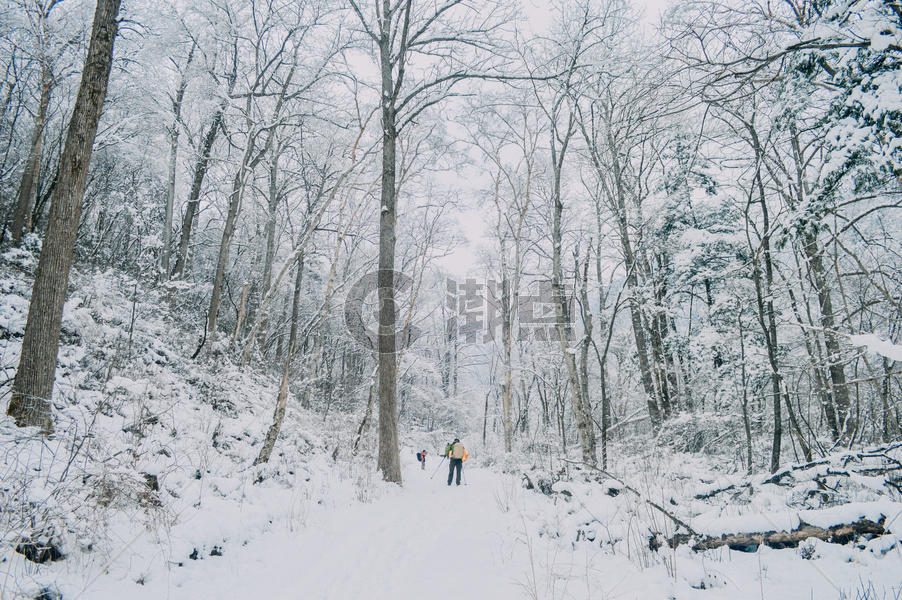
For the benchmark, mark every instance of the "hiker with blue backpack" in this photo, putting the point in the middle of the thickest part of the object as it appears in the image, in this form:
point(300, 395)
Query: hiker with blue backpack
point(458, 455)
point(421, 456)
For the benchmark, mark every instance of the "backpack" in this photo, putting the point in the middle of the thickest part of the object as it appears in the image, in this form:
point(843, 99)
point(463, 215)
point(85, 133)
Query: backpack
point(457, 450)
point(419, 457)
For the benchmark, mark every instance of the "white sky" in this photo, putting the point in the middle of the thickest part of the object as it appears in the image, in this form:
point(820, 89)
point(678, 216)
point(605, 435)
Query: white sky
point(474, 223)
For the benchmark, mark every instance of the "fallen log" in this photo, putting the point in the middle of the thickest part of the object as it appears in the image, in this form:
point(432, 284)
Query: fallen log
point(750, 542)
point(728, 488)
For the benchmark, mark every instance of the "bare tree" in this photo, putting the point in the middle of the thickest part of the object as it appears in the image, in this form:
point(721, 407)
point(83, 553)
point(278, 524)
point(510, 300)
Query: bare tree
point(47, 54)
point(174, 133)
point(33, 386)
point(403, 33)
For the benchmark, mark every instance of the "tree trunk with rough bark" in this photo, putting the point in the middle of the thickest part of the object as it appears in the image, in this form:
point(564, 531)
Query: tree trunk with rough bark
point(389, 459)
point(750, 542)
point(33, 385)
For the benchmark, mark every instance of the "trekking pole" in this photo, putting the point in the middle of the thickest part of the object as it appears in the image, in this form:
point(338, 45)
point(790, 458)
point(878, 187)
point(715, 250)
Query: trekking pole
point(437, 468)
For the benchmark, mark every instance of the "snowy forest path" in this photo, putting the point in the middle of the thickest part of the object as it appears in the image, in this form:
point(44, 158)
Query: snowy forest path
point(428, 540)
point(425, 540)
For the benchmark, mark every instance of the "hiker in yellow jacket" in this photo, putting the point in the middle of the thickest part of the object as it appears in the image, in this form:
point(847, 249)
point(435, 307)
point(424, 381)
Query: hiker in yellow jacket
point(458, 455)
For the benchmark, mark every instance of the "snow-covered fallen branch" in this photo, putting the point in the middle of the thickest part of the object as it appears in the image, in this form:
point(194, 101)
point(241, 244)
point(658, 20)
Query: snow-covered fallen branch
point(749, 542)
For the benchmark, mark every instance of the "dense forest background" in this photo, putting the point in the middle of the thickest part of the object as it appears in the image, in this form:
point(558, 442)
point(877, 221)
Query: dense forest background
point(714, 199)
point(257, 250)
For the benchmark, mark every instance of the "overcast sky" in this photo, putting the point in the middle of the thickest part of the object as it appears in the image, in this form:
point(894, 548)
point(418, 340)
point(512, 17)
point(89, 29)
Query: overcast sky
point(474, 218)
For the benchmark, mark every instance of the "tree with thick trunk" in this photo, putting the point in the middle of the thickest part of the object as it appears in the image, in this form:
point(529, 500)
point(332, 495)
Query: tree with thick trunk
point(33, 385)
point(401, 32)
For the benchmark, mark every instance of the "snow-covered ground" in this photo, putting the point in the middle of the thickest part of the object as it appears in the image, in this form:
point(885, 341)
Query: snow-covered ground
point(148, 489)
point(489, 538)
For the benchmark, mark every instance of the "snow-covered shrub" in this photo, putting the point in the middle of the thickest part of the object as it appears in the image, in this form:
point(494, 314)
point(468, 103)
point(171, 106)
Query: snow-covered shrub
point(700, 432)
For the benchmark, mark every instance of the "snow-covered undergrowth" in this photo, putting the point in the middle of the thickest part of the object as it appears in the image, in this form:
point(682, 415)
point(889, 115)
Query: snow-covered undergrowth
point(150, 465)
point(652, 520)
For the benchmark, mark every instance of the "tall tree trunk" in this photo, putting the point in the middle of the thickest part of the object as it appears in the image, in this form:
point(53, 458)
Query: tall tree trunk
point(768, 322)
point(607, 327)
point(27, 194)
point(618, 203)
point(766, 314)
point(270, 227)
point(507, 387)
point(389, 459)
point(282, 397)
point(839, 388)
point(173, 163)
point(269, 252)
point(632, 283)
point(192, 207)
point(33, 385)
point(745, 396)
point(226, 243)
point(586, 404)
point(657, 333)
point(506, 329)
point(823, 392)
point(581, 407)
